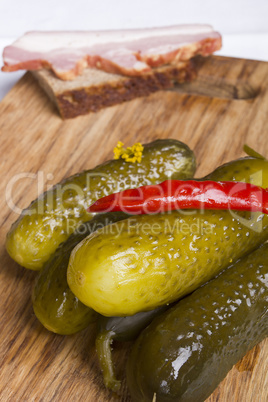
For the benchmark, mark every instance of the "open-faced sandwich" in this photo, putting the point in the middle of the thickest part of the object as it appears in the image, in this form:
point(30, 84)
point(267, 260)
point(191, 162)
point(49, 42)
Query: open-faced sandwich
point(84, 71)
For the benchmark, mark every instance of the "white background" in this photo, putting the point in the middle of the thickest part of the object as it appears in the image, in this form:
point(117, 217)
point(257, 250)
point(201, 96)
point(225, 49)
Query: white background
point(242, 23)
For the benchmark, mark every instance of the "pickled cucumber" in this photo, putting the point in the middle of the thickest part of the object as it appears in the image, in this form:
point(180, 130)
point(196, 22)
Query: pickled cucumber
point(50, 219)
point(54, 304)
point(156, 259)
point(121, 329)
point(185, 353)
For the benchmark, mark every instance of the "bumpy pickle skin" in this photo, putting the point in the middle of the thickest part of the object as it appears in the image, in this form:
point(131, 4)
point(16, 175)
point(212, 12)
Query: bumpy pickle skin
point(157, 259)
point(185, 353)
point(54, 304)
point(50, 219)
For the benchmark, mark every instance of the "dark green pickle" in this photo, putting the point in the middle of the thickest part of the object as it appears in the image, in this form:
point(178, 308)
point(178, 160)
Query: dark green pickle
point(119, 329)
point(54, 304)
point(50, 219)
point(185, 353)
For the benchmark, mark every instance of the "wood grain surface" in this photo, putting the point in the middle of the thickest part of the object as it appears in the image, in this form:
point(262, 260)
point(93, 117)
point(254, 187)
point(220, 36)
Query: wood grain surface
point(37, 365)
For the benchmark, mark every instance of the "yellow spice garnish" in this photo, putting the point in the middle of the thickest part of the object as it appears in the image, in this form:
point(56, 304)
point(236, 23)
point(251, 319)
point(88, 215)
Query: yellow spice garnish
point(130, 154)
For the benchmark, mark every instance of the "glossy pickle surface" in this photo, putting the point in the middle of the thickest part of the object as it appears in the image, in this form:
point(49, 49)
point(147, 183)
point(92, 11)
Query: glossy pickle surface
point(185, 353)
point(50, 219)
point(157, 259)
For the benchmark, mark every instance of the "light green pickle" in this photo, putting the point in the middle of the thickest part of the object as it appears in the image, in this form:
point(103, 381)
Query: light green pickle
point(157, 259)
point(54, 304)
point(50, 219)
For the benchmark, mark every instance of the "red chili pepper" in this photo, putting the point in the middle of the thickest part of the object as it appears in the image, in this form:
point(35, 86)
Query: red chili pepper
point(188, 194)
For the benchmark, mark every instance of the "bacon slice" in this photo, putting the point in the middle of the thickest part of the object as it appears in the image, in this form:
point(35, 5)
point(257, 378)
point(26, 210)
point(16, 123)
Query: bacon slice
point(126, 52)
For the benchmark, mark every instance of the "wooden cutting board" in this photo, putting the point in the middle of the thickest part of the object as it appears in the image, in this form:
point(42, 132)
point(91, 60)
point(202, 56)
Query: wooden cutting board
point(38, 147)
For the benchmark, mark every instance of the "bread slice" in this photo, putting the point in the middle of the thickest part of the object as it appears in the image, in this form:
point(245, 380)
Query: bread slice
point(96, 89)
